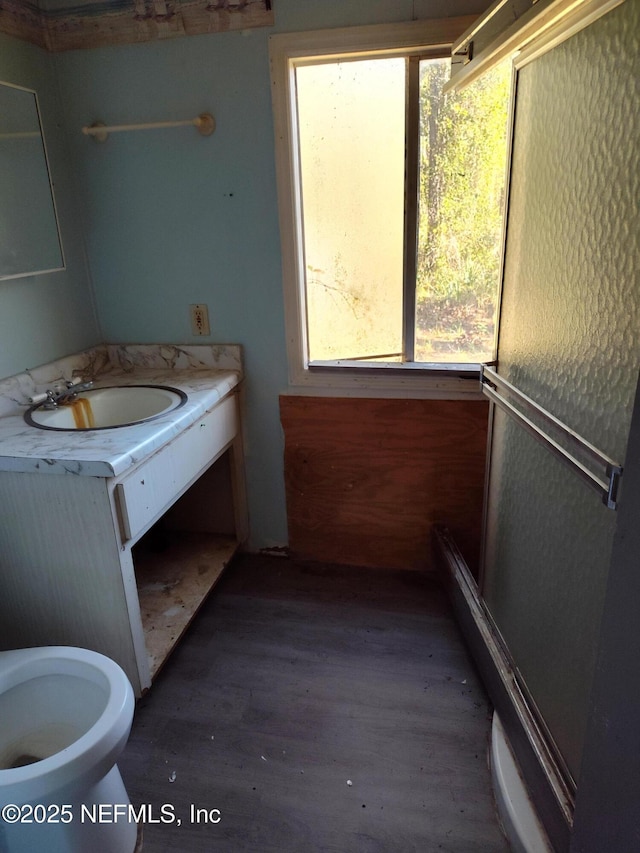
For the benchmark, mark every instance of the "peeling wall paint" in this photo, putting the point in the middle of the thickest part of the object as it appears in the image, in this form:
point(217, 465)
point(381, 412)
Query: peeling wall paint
point(56, 25)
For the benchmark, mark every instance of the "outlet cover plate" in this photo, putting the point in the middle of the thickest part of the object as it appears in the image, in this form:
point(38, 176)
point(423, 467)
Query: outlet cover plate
point(199, 319)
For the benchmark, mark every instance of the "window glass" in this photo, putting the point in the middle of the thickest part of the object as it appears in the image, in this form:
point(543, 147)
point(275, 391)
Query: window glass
point(391, 198)
point(463, 139)
point(351, 143)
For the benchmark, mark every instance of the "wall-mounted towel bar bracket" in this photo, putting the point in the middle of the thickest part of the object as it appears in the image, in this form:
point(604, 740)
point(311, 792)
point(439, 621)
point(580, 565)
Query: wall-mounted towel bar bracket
point(205, 124)
point(605, 481)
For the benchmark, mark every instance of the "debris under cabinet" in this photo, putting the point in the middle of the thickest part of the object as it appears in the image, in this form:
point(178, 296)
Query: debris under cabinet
point(178, 561)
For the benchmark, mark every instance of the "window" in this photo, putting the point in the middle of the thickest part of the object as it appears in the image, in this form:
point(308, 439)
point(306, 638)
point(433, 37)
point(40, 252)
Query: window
point(391, 200)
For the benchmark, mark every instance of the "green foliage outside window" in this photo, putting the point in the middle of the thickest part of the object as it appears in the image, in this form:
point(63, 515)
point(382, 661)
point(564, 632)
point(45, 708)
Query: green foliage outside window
point(461, 195)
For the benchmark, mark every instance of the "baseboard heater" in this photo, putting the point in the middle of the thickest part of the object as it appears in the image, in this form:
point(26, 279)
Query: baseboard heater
point(552, 793)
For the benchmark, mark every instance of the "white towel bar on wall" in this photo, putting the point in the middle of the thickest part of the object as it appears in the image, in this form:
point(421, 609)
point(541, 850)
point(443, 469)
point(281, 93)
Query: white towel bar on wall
point(205, 124)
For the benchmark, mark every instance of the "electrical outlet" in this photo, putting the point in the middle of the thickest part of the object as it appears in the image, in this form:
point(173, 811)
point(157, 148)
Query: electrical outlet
point(199, 319)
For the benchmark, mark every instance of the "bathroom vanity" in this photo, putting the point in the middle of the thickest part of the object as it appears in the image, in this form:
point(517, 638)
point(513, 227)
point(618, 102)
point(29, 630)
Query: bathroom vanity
point(112, 539)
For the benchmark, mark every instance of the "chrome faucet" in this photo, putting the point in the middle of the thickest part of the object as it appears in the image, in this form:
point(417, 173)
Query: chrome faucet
point(55, 398)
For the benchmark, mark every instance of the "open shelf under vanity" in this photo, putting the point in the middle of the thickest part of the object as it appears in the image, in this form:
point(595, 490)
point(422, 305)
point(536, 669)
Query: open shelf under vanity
point(174, 574)
point(178, 560)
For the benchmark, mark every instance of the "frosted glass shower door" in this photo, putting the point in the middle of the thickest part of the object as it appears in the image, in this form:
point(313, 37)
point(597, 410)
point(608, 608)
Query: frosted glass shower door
point(570, 339)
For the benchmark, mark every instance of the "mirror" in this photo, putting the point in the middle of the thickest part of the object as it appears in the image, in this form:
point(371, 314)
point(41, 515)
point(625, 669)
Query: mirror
point(29, 236)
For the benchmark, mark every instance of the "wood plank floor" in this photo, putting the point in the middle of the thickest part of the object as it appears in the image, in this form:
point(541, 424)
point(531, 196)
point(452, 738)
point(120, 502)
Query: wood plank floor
point(318, 708)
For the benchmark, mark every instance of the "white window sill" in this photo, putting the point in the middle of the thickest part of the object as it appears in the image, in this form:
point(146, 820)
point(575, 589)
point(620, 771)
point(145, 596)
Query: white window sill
point(391, 380)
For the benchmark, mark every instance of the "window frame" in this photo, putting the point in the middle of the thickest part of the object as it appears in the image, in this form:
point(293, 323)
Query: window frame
point(420, 39)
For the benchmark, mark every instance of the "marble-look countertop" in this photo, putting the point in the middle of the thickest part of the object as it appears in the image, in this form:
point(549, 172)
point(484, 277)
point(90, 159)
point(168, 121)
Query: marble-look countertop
point(206, 374)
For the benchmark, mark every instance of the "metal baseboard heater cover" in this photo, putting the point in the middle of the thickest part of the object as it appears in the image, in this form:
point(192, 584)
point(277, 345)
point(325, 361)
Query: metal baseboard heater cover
point(598, 470)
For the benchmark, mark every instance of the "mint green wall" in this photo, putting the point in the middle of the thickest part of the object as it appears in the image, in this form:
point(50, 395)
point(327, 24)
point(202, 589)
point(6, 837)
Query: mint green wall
point(172, 218)
point(47, 316)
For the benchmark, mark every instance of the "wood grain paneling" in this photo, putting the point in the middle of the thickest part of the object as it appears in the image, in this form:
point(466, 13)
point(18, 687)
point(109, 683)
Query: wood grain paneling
point(366, 479)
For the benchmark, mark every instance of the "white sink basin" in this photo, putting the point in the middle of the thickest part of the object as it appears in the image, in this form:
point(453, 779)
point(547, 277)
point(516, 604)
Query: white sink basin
point(107, 408)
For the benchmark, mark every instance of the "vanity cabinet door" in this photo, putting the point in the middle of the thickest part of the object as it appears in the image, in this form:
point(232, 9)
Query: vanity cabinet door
point(146, 493)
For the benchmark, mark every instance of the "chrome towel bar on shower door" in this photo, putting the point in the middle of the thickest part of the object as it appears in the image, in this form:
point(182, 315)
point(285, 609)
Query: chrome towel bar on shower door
point(605, 480)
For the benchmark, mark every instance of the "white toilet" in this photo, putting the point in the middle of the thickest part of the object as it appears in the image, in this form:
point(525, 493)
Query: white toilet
point(65, 716)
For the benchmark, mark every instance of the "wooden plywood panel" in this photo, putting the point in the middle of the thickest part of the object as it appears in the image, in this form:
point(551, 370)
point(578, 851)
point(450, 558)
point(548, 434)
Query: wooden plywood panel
point(367, 479)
